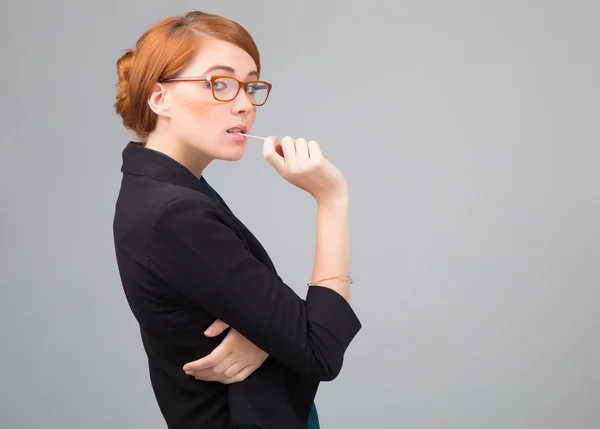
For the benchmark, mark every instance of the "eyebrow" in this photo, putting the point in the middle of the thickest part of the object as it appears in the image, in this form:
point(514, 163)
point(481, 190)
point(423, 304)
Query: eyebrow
point(229, 69)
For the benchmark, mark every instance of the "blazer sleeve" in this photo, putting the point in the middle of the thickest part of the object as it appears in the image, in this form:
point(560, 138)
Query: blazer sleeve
point(195, 251)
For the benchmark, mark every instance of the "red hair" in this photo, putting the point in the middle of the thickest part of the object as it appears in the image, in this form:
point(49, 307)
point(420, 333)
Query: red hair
point(163, 51)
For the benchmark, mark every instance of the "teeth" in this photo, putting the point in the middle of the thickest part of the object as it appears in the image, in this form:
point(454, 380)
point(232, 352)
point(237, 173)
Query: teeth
point(235, 130)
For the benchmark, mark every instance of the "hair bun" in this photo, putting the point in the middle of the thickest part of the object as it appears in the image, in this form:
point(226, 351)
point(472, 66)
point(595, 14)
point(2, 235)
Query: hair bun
point(165, 49)
point(124, 65)
point(123, 103)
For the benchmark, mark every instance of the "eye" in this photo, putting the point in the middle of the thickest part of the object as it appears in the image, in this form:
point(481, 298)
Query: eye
point(220, 85)
point(254, 87)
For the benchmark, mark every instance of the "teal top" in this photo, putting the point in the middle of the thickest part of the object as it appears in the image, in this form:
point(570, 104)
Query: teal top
point(313, 417)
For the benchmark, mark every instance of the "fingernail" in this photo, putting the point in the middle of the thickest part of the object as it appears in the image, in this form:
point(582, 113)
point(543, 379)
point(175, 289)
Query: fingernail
point(209, 332)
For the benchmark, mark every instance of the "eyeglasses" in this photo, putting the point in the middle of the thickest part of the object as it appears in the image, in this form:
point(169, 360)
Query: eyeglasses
point(226, 88)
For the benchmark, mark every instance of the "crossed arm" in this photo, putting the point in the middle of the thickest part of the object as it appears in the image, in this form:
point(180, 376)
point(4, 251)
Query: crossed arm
point(234, 360)
point(194, 241)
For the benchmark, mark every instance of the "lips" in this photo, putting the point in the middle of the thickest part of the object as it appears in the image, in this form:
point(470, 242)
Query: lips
point(238, 129)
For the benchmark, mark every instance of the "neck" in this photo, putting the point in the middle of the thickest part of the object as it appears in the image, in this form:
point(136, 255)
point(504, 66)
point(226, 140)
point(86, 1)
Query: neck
point(188, 156)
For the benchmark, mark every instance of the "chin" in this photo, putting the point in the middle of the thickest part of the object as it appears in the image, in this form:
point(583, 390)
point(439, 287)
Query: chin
point(231, 155)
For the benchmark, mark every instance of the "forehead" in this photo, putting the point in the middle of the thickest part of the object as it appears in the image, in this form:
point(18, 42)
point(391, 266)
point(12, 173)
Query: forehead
point(214, 52)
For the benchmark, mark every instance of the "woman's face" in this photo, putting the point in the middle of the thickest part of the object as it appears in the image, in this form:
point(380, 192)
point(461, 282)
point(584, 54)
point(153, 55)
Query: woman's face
point(199, 120)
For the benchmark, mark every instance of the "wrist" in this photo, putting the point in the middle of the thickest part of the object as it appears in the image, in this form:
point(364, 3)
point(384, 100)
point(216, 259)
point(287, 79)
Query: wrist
point(340, 202)
point(338, 197)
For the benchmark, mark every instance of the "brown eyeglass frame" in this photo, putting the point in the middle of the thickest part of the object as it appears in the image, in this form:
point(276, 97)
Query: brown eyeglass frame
point(211, 78)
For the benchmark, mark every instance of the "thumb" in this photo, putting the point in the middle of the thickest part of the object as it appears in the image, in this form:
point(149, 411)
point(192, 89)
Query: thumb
point(271, 155)
point(216, 328)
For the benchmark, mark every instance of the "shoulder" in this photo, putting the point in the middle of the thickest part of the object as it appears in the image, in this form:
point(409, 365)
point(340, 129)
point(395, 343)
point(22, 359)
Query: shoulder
point(156, 197)
point(188, 213)
point(143, 203)
point(190, 227)
point(185, 204)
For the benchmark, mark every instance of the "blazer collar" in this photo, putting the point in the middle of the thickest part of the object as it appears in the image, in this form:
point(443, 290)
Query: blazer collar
point(142, 161)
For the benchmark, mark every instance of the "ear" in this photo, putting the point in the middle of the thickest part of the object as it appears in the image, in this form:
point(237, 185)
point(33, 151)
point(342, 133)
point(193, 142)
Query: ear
point(159, 100)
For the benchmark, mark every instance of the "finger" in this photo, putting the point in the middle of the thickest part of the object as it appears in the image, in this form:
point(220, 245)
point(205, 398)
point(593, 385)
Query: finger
point(216, 328)
point(289, 151)
point(241, 375)
point(207, 375)
point(278, 148)
point(226, 369)
point(225, 365)
point(210, 361)
point(232, 370)
point(301, 149)
point(314, 151)
point(271, 154)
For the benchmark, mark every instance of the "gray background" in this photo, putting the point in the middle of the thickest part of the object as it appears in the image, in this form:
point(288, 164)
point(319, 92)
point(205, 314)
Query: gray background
point(468, 134)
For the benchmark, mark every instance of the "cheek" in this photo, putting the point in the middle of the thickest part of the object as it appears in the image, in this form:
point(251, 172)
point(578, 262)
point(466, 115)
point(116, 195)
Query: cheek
point(200, 116)
point(201, 119)
point(196, 107)
point(192, 103)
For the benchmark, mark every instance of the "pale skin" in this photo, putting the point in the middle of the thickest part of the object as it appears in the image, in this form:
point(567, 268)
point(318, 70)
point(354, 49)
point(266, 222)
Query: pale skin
point(191, 128)
point(234, 360)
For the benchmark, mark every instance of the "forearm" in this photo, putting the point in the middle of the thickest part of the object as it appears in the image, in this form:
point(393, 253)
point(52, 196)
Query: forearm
point(194, 244)
point(332, 253)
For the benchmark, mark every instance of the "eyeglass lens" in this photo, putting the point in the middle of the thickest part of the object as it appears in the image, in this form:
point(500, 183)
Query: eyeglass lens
point(225, 89)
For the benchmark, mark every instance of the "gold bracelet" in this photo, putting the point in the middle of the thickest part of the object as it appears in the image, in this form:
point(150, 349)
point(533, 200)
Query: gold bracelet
point(311, 283)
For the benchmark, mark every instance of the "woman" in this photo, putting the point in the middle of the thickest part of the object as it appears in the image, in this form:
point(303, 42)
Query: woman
point(189, 91)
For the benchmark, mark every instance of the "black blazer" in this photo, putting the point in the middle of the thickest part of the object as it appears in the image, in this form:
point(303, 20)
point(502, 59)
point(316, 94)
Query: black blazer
point(185, 260)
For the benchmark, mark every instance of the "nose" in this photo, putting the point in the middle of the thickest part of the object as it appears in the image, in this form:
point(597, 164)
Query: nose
point(241, 103)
